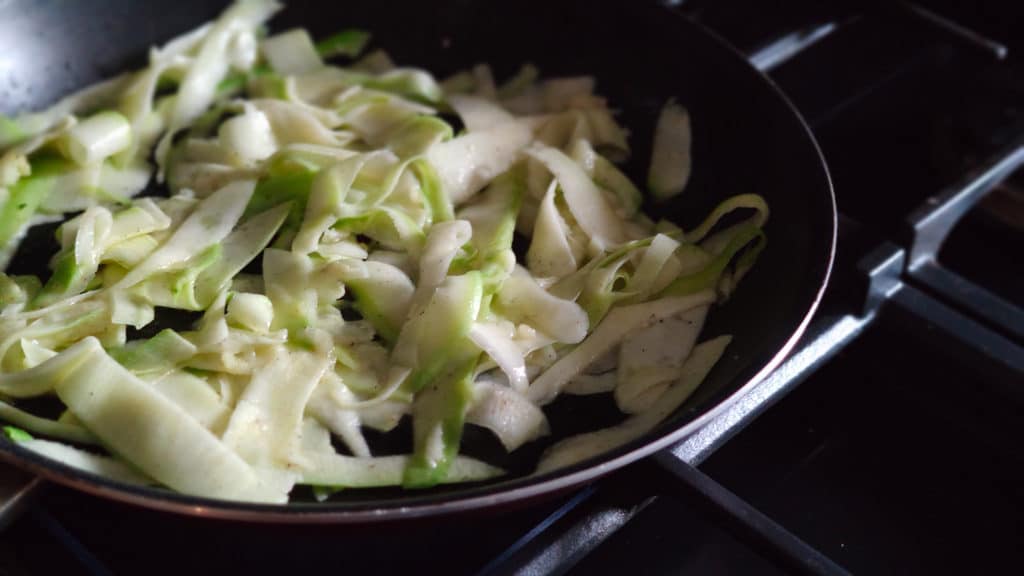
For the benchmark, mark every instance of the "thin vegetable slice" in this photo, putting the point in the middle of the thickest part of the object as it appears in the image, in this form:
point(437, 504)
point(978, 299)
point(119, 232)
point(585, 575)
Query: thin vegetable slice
point(465, 164)
point(616, 326)
point(669, 171)
point(103, 466)
point(322, 466)
point(153, 433)
point(510, 415)
point(651, 358)
point(265, 423)
point(45, 426)
point(585, 200)
point(584, 446)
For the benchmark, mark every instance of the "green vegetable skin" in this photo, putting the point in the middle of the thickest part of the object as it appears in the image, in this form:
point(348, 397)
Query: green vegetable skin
point(442, 381)
point(27, 194)
point(10, 132)
point(16, 434)
point(345, 43)
point(314, 182)
point(275, 190)
point(382, 298)
point(441, 406)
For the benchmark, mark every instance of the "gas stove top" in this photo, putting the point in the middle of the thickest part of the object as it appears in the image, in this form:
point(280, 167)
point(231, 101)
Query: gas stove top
point(888, 442)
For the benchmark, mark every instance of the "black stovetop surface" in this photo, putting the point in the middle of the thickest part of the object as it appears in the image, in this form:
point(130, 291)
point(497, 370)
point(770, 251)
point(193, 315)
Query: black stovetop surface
point(897, 453)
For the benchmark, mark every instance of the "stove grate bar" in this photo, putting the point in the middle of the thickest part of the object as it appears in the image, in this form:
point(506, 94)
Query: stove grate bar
point(568, 535)
point(977, 301)
point(783, 49)
point(994, 48)
point(49, 524)
point(930, 224)
point(972, 340)
point(749, 524)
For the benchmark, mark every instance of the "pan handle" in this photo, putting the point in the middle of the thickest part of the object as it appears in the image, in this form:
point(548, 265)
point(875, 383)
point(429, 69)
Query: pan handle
point(17, 490)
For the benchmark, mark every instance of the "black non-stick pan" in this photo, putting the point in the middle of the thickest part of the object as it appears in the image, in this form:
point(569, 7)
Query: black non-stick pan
point(747, 138)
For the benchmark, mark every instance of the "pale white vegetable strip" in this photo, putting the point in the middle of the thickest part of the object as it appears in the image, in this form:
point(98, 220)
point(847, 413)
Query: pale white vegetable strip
point(242, 50)
point(35, 354)
point(484, 79)
point(42, 378)
point(325, 201)
point(248, 136)
point(209, 223)
point(670, 159)
point(478, 113)
point(560, 93)
point(45, 426)
point(605, 132)
point(342, 421)
point(550, 254)
point(95, 184)
point(154, 434)
point(466, 164)
point(651, 264)
point(607, 176)
point(619, 324)
point(506, 412)
point(87, 98)
point(14, 161)
point(128, 309)
point(523, 80)
point(443, 243)
point(376, 62)
point(320, 465)
point(239, 247)
point(498, 344)
point(382, 288)
point(104, 466)
point(587, 384)
point(128, 253)
point(324, 86)
point(56, 307)
point(286, 280)
point(251, 311)
point(143, 217)
point(199, 86)
point(384, 416)
point(195, 396)
point(395, 377)
point(522, 300)
point(137, 102)
point(650, 359)
point(292, 52)
point(585, 200)
point(92, 236)
point(296, 124)
point(58, 330)
point(265, 424)
point(579, 448)
point(99, 136)
point(180, 44)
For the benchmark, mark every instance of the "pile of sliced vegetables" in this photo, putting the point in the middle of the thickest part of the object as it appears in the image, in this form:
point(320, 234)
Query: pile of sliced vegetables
point(349, 256)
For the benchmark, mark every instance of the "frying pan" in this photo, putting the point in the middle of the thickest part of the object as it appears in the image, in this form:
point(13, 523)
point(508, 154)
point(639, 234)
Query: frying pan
point(746, 138)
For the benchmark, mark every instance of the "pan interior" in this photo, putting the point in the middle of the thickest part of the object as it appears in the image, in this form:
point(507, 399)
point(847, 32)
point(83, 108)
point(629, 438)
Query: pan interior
point(746, 139)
